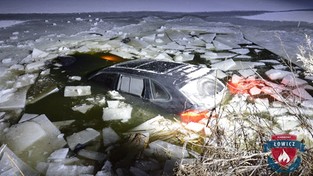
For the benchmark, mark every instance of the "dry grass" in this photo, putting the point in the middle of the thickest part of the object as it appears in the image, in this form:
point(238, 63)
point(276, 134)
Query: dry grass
point(305, 55)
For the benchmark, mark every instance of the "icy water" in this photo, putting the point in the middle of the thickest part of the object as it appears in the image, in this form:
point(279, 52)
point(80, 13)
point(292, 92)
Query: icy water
point(59, 108)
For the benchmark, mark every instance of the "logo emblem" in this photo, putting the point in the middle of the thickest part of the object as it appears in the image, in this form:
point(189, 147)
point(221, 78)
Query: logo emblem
point(284, 149)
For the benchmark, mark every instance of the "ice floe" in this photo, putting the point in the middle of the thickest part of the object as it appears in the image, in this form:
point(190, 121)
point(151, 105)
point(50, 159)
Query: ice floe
point(82, 137)
point(74, 91)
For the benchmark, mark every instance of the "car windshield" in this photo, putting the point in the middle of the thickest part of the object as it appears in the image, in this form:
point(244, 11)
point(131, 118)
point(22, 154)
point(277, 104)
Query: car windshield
point(204, 92)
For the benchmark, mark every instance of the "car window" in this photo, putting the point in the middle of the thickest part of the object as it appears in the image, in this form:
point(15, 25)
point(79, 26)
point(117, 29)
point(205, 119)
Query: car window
point(158, 93)
point(107, 79)
point(131, 85)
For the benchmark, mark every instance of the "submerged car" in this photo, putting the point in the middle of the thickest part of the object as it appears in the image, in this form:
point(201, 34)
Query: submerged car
point(175, 87)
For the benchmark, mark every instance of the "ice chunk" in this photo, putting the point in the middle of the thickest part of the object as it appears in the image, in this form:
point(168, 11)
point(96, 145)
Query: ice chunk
point(209, 46)
point(208, 38)
point(122, 112)
point(115, 95)
point(172, 46)
point(243, 57)
point(224, 65)
point(42, 167)
point(82, 108)
point(27, 117)
point(92, 155)
point(109, 136)
point(302, 93)
point(25, 80)
point(166, 150)
point(219, 74)
point(241, 51)
point(58, 155)
point(277, 74)
point(291, 80)
point(35, 66)
point(75, 78)
point(184, 57)
point(39, 53)
point(9, 99)
point(113, 103)
point(241, 65)
point(73, 91)
point(164, 57)
point(270, 61)
point(212, 55)
point(247, 72)
point(219, 46)
point(279, 67)
point(69, 170)
point(10, 164)
point(23, 135)
point(82, 137)
point(6, 94)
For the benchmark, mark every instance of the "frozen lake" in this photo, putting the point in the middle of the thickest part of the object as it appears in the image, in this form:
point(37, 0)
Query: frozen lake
point(52, 117)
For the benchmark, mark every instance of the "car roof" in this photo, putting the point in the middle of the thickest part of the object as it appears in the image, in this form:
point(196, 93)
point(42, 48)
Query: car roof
point(171, 72)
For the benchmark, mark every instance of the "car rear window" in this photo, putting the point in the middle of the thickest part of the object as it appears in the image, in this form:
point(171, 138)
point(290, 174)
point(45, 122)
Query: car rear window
point(158, 93)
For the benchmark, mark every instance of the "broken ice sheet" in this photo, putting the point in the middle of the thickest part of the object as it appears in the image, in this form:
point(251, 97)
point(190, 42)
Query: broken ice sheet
point(277, 74)
point(91, 155)
point(224, 65)
point(247, 72)
point(37, 134)
point(291, 80)
point(73, 91)
point(10, 164)
point(240, 65)
point(21, 136)
point(25, 80)
point(109, 136)
point(302, 93)
point(208, 55)
point(184, 57)
point(12, 98)
point(58, 155)
point(82, 137)
point(36, 54)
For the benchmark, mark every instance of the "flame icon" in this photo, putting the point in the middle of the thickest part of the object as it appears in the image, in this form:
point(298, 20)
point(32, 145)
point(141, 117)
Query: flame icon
point(283, 157)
